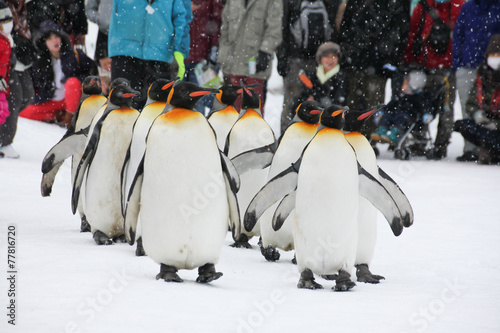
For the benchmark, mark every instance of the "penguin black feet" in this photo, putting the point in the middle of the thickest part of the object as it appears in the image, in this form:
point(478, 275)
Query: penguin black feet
point(168, 273)
point(344, 282)
point(307, 281)
point(101, 239)
point(139, 250)
point(242, 242)
point(364, 275)
point(84, 226)
point(120, 239)
point(270, 253)
point(207, 273)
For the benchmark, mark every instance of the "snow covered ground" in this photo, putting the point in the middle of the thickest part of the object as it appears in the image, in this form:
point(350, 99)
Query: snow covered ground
point(441, 273)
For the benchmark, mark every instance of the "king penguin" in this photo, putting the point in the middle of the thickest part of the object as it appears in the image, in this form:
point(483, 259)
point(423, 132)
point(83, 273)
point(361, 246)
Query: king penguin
point(367, 213)
point(131, 174)
point(250, 132)
point(223, 114)
point(328, 180)
point(97, 177)
point(187, 193)
point(73, 141)
point(291, 144)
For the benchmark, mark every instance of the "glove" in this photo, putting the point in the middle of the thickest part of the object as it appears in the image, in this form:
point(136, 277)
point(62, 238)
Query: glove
point(283, 68)
point(481, 119)
point(212, 57)
point(263, 61)
point(179, 58)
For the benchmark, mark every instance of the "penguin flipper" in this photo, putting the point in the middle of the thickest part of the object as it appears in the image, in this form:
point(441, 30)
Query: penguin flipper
point(279, 186)
point(234, 210)
point(258, 158)
point(48, 180)
point(66, 147)
point(377, 194)
point(283, 210)
point(398, 196)
point(131, 214)
point(230, 171)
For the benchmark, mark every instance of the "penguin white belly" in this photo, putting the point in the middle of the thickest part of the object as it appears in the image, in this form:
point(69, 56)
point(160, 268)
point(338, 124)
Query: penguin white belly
point(222, 121)
point(367, 215)
point(102, 187)
point(250, 132)
point(291, 146)
point(89, 108)
point(325, 228)
point(184, 209)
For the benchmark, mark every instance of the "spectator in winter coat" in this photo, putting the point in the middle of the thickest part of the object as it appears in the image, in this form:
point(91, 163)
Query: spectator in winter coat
point(477, 22)
point(293, 58)
point(329, 82)
point(69, 15)
point(145, 38)
point(204, 32)
point(6, 43)
point(373, 35)
point(99, 12)
point(20, 81)
point(250, 33)
point(438, 65)
point(482, 127)
point(57, 76)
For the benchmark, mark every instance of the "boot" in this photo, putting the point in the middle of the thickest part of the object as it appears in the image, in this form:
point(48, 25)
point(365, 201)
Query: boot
point(392, 136)
point(377, 136)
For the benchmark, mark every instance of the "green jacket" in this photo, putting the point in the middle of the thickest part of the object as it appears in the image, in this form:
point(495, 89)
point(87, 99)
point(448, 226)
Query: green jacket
point(246, 31)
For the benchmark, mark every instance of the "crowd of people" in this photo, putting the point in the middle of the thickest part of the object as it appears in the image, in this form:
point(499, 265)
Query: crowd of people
point(332, 51)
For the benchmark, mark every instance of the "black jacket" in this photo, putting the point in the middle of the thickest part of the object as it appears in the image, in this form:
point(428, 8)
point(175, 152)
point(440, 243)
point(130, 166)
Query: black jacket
point(74, 63)
point(288, 48)
point(374, 33)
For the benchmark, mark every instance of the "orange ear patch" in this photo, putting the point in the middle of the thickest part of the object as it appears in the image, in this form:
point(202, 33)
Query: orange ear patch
point(336, 113)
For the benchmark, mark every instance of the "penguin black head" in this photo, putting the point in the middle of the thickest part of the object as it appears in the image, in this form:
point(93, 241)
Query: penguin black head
point(160, 89)
point(187, 94)
point(228, 94)
point(119, 81)
point(250, 99)
point(354, 120)
point(122, 95)
point(92, 85)
point(309, 112)
point(333, 116)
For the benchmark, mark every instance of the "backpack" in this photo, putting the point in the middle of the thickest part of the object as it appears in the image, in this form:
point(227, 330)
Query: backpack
point(312, 27)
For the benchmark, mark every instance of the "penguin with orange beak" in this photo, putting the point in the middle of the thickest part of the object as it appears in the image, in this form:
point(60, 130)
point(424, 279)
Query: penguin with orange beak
point(97, 177)
point(328, 181)
point(188, 191)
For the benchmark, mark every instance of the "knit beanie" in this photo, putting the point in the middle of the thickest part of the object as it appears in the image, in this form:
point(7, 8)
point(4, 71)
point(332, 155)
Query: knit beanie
point(5, 13)
point(326, 48)
point(494, 45)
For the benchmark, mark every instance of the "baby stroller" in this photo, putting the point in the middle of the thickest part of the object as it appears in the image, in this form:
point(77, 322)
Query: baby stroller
point(415, 139)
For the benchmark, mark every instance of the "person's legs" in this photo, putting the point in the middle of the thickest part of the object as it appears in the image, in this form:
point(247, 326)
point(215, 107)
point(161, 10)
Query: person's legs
point(43, 111)
point(465, 78)
point(72, 94)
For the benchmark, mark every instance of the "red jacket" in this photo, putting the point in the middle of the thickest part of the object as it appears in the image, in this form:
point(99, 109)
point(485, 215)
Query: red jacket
point(204, 28)
point(5, 51)
point(448, 12)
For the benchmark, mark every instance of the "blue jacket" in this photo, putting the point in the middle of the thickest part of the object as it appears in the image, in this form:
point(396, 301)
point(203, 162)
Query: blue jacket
point(136, 33)
point(477, 22)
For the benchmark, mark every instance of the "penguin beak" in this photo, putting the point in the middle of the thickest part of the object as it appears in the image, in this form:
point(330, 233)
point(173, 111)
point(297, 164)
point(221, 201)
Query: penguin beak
point(366, 114)
point(168, 85)
point(315, 112)
point(336, 113)
point(199, 93)
point(128, 95)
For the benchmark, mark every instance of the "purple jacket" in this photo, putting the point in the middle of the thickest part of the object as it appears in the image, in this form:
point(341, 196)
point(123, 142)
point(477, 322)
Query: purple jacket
point(477, 22)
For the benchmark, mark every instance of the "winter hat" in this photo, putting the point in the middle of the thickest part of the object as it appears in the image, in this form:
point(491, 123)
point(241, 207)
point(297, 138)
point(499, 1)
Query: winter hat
point(47, 28)
point(5, 13)
point(326, 48)
point(494, 45)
